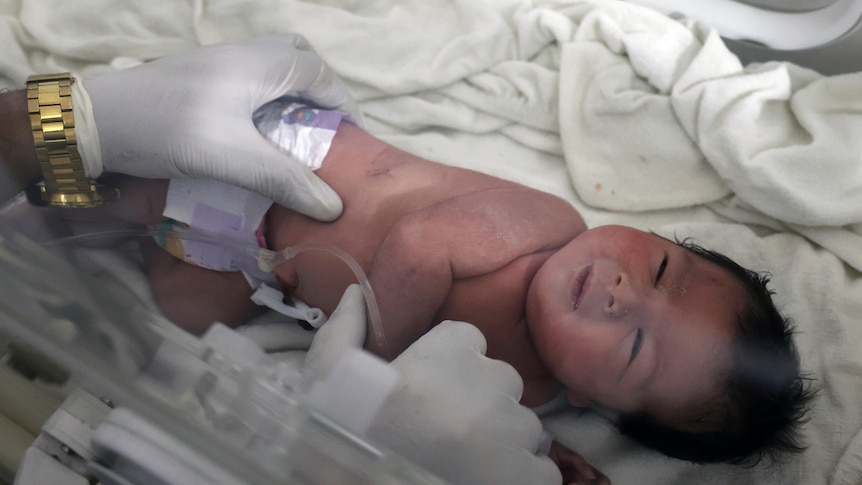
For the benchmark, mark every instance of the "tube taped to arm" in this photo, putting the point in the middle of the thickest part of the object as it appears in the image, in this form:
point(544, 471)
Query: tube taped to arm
point(232, 214)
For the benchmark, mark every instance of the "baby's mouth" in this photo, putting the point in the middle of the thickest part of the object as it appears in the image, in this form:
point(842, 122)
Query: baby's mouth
point(580, 285)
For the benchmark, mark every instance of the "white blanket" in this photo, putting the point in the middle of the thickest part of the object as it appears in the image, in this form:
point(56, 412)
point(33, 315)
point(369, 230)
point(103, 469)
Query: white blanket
point(633, 117)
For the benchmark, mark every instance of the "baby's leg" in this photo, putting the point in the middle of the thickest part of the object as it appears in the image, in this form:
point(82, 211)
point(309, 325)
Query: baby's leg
point(190, 296)
point(193, 297)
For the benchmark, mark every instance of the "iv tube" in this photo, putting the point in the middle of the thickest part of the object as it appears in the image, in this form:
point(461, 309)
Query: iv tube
point(267, 260)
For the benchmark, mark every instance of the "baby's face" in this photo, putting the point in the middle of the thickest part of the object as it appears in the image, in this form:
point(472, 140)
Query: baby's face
point(634, 322)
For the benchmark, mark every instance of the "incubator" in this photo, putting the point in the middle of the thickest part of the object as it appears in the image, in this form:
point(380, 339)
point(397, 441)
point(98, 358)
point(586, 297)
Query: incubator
point(148, 403)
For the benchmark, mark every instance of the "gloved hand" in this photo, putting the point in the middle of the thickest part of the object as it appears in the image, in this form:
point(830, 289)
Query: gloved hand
point(454, 411)
point(190, 115)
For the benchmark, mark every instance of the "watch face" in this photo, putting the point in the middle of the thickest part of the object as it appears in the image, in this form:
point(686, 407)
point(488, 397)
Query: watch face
point(97, 195)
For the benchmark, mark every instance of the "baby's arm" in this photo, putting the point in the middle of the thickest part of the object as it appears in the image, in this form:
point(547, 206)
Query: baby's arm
point(471, 235)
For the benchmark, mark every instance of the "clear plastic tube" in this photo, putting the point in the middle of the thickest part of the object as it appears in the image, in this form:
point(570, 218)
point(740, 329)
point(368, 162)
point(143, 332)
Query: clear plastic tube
point(267, 260)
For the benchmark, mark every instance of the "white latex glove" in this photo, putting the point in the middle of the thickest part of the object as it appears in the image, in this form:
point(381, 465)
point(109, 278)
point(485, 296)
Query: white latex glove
point(454, 411)
point(190, 115)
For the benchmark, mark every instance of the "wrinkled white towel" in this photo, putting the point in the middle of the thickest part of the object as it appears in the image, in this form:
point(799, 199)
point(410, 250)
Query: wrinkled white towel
point(658, 114)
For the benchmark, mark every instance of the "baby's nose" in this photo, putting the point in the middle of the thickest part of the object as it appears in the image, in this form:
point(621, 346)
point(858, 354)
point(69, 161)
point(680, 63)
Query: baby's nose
point(620, 295)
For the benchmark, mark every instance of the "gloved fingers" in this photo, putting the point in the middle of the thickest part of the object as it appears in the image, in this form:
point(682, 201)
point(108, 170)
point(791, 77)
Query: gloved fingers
point(345, 329)
point(456, 412)
point(292, 76)
point(346, 326)
point(453, 333)
point(329, 91)
point(296, 187)
point(496, 377)
point(213, 93)
point(509, 423)
point(466, 346)
point(260, 167)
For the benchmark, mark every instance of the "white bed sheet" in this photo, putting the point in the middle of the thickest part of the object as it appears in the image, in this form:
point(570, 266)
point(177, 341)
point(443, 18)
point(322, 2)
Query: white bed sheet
point(634, 118)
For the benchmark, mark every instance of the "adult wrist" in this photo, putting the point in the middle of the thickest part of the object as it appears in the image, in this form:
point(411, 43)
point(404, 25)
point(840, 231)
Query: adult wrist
point(16, 139)
point(17, 155)
point(53, 124)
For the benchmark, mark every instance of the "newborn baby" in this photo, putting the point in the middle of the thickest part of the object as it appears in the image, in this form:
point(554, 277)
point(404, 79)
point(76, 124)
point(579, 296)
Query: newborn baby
point(679, 346)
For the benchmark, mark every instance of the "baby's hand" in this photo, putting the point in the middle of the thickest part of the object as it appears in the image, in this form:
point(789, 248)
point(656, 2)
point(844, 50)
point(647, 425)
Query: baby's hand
point(575, 469)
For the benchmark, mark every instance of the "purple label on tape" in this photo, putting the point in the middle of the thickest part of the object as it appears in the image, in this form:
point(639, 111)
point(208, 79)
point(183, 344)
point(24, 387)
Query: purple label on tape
point(210, 219)
point(220, 223)
point(312, 118)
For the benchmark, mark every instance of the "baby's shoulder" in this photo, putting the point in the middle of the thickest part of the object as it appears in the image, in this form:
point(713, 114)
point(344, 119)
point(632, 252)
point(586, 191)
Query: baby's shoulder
point(495, 297)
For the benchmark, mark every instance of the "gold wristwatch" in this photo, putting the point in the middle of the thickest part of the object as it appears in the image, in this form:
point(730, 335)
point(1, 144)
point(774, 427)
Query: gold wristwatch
point(49, 101)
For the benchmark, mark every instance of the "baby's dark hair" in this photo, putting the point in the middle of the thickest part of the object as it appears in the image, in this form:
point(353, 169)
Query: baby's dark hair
point(764, 398)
